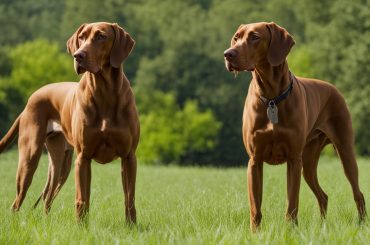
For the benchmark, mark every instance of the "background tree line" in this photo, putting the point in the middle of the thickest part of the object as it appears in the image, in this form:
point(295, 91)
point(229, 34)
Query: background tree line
point(190, 106)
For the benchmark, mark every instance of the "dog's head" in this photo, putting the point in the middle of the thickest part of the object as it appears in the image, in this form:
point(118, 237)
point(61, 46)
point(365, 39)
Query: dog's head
point(99, 44)
point(257, 43)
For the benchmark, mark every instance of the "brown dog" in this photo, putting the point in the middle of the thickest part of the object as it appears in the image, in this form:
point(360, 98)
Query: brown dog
point(288, 119)
point(97, 117)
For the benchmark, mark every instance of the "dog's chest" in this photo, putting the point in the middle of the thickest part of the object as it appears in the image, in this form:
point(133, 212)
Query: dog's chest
point(271, 144)
point(106, 126)
point(107, 130)
point(107, 140)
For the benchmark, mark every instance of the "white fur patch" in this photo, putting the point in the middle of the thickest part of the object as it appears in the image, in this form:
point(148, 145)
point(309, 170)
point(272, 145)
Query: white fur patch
point(53, 126)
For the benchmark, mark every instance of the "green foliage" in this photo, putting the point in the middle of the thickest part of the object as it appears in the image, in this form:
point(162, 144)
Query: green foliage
point(29, 19)
point(35, 64)
point(360, 111)
point(11, 105)
point(86, 11)
point(172, 133)
point(341, 44)
point(179, 51)
point(301, 62)
point(5, 62)
point(186, 58)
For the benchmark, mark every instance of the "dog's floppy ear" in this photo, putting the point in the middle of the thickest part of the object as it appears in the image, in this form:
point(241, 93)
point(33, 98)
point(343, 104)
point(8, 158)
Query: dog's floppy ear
point(280, 44)
point(72, 43)
point(122, 46)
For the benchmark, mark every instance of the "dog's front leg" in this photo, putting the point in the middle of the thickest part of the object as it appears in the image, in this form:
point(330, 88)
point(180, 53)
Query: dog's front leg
point(83, 181)
point(294, 171)
point(128, 173)
point(255, 176)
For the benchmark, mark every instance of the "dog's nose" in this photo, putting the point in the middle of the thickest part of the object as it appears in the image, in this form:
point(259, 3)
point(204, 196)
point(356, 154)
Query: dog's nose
point(230, 53)
point(79, 55)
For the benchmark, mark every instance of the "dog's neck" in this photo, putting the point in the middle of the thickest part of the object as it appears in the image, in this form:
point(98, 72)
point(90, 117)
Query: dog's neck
point(104, 89)
point(270, 81)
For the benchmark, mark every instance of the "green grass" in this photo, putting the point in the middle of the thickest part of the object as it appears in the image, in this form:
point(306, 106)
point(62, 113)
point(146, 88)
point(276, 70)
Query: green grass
point(184, 206)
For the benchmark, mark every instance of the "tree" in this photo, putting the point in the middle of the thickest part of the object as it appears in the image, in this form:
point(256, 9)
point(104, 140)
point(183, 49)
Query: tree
point(11, 105)
point(35, 64)
point(179, 55)
point(29, 19)
point(342, 45)
point(170, 133)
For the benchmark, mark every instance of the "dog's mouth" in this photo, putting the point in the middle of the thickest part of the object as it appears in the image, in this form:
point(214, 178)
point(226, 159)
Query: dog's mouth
point(231, 67)
point(79, 67)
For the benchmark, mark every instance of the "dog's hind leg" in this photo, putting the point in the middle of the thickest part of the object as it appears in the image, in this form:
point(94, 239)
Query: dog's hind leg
point(66, 168)
point(311, 154)
point(340, 132)
point(60, 159)
point(30, 144)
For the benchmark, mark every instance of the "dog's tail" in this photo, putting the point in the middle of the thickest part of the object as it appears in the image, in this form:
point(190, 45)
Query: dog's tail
point(10, 135)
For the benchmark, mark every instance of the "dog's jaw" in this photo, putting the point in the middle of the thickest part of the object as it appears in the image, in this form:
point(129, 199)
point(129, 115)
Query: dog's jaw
point(79, 69)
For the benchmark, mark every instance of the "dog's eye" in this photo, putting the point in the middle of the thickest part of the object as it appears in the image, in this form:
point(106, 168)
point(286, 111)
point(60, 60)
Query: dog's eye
point(101, 37)
point(254, 37)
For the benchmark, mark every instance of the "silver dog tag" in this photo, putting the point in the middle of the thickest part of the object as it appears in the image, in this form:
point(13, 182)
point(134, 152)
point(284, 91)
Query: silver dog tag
point(272, 112)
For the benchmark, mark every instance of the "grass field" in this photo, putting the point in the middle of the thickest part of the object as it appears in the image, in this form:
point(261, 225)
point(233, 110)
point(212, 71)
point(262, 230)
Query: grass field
point(189, 205)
